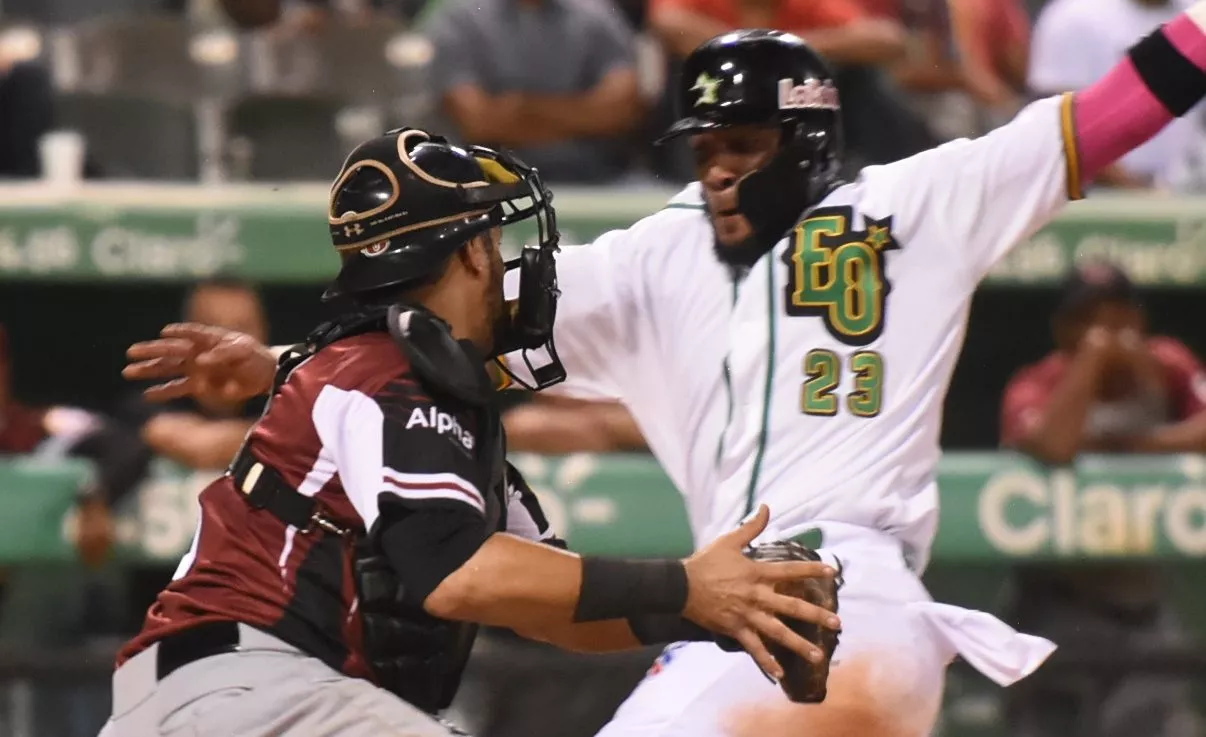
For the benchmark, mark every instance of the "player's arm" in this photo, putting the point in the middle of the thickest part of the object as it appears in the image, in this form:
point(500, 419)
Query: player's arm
point(600, 604)
point(213, 364)
point(1162, 78)
point(988, 194)
point(1061, 61)
point(408, 465)
point(526, 518)
point(209, 363)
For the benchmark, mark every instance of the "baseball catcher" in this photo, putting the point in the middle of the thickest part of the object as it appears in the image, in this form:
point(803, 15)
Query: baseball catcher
point(371, 523)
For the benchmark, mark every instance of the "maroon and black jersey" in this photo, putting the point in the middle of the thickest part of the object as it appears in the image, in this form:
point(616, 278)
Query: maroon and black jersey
point(355, 429)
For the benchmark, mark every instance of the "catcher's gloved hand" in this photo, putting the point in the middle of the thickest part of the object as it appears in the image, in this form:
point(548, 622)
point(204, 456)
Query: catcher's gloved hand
point(803, 682)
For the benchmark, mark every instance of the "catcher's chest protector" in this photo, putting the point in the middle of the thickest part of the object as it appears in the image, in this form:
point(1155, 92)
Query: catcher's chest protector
point(418, 657)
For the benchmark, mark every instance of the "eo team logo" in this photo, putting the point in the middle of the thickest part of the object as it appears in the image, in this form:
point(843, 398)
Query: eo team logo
point(442, 422)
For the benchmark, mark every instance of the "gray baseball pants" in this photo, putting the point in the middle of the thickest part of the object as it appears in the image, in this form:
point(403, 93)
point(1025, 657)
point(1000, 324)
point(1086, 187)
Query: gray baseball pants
point(265, 689)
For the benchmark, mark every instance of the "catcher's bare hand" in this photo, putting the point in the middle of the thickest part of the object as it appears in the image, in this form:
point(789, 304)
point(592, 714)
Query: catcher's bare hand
point(201, 361)
point(735, 596)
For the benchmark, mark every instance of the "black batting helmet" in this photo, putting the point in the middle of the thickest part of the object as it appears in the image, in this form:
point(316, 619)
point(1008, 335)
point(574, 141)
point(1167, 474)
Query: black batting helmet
point(763, 77)
point(404, 202)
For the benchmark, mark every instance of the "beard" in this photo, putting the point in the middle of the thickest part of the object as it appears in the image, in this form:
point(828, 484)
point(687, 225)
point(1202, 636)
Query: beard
point(741, 255)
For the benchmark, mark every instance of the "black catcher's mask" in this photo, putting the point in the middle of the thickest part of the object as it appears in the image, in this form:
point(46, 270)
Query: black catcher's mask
point(405, 202)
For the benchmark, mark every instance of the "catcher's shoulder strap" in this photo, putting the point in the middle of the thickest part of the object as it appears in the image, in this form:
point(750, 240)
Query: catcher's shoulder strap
point(451, 366)
point(262, 486)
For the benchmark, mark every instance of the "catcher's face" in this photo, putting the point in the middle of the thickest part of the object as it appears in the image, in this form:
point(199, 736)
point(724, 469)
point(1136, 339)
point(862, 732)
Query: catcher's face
point(492, 285)
point(722, 158)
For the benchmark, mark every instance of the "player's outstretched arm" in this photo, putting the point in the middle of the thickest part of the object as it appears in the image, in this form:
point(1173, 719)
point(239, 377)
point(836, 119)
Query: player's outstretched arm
point(973, 201)
point(1162, 77)
point(585, 602)
point(201, 361)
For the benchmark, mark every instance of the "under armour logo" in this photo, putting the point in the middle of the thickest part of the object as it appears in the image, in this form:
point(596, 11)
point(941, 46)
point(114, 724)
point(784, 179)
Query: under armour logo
point(353, 229)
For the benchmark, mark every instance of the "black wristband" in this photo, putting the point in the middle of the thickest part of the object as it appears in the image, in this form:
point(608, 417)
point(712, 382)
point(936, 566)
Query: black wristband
point(616, 589)
point(1174, 80)
point(663, 629)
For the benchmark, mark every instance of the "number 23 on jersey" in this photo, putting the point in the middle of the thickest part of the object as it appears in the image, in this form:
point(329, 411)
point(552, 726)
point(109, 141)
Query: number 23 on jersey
point(837, 274)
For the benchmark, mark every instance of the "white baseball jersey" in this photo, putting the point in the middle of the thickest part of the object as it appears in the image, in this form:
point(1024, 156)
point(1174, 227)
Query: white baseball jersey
point(813, 383)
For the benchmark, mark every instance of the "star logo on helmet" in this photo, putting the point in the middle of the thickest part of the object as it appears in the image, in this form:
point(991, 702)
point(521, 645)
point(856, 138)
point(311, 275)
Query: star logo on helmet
point(707, 86)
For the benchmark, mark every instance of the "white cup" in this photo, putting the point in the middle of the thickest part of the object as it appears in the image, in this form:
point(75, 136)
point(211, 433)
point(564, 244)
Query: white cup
point(62, 154)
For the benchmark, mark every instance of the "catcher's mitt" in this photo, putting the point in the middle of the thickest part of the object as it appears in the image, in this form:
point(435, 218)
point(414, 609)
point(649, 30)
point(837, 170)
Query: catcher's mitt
point(803, 682)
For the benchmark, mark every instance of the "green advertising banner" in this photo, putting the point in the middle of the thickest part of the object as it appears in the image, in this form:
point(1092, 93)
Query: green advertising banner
point(279, 234)
point(999, 506)
point(995, 508)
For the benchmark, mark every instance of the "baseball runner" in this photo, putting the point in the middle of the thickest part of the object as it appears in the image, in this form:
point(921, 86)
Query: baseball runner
point(782, 337)
point(370, 521)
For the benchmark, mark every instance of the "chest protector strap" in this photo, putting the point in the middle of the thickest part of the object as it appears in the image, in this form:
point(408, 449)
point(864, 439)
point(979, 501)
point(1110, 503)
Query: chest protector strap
point(411, 654)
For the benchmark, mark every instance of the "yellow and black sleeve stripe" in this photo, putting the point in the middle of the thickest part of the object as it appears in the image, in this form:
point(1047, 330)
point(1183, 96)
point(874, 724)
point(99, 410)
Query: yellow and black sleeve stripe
point(1071, 147)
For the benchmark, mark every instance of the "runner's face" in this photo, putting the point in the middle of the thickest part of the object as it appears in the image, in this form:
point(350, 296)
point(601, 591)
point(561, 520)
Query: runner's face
point(722, 158)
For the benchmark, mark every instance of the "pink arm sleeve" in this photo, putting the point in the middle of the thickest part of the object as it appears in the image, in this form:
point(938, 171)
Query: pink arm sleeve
point(1119, 113)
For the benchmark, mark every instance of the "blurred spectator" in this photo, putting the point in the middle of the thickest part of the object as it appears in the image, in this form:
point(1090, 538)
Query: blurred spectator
point(930, 72)
point(553, 80)
point(838, 29)
point(62, 12)
point(252, 13)
point(70, 431)
point(993, 38)
point(200, 435)
point(1077, 42)
point(26, 113)
point(1108, 387)
point(312, 15)
point(929, 63)
point(879, 124)
point(553, 425)
point(966, 63)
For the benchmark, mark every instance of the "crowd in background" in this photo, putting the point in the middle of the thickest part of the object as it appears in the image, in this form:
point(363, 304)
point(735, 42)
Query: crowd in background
point(580, 88)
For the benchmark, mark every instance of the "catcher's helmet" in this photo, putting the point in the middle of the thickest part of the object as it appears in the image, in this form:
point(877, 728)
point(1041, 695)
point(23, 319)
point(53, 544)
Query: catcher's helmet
point(761, 77)
point(404, 202)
